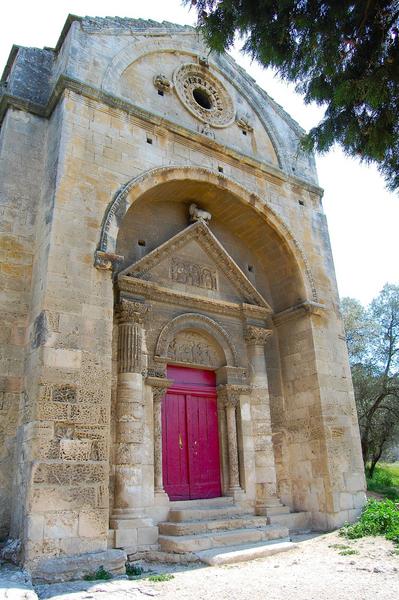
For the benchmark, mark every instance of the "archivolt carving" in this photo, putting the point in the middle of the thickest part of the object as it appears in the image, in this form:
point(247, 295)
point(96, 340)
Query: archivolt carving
point(125, 197)
point(195, 322)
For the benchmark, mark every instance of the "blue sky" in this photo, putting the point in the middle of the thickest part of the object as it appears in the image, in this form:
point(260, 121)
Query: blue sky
point(363, 216)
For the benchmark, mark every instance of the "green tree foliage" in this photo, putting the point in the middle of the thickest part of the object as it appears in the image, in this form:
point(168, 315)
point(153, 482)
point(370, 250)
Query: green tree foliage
point(373, 343)
point(341, 54)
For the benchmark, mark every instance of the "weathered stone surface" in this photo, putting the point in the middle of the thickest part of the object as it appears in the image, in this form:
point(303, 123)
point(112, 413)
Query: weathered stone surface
point(141, 229)
point(76, 567)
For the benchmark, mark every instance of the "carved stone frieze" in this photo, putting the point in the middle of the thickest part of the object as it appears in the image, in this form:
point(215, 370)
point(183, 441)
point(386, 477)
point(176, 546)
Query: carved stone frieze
point(193, 349)
point(257, 336)
point(183, 271)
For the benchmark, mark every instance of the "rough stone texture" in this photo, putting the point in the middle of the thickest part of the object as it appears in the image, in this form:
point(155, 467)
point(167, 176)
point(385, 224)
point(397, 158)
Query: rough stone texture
point(76, 567)
point(105, 280)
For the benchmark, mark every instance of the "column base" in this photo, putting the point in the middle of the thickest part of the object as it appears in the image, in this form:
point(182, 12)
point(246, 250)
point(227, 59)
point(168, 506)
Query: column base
point(161, 498)
point(236, 492)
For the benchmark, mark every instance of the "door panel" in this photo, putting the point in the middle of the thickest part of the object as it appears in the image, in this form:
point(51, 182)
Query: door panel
point(174, 455)
point(203, 450)
point(190, 438)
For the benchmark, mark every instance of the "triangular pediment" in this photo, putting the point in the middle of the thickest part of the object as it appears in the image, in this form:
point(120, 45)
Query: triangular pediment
point(194, 262)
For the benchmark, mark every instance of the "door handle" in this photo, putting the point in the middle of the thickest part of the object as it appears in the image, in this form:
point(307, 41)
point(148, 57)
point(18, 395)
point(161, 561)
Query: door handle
point(180, 442)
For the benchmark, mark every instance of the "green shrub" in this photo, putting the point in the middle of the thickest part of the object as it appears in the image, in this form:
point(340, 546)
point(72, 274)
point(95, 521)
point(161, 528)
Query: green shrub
point(133, 570)
point(101, 573)
point(382, 477)
point(377, 518)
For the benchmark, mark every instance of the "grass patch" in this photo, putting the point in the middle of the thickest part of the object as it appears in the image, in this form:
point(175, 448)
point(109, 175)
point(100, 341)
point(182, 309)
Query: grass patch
point(348, 552)
point(161, 577)
point(101, 573)
point(377, 518)
point(339, 546)
point(385, 481)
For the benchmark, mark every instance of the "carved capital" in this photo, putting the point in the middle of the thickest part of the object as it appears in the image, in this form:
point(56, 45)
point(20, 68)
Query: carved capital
point(128, 311)
point(159, 387)
point(107, 261)
point(229, 395)
point(257, 336)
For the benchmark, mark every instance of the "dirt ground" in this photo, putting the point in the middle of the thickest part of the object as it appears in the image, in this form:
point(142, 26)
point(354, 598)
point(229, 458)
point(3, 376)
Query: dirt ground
point(368, 569)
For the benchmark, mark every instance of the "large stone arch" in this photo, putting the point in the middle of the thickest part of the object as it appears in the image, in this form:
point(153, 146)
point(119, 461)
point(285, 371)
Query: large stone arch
point(133, 189)
point(201, 323)
point(223, 65)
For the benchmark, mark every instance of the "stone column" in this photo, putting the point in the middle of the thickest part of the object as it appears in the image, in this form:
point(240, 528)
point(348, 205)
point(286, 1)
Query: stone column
point(130, 409)
point(159, 386)
point(228, 398)
point(266, 481)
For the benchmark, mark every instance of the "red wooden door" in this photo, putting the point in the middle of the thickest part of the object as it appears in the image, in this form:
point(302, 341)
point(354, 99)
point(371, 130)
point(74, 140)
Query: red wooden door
point(190, 438)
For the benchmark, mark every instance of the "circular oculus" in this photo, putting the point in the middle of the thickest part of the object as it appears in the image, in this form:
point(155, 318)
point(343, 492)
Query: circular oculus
point(204, 95)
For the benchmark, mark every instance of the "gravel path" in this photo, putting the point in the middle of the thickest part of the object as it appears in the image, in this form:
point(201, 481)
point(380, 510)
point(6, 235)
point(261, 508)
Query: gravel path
point(313, 571)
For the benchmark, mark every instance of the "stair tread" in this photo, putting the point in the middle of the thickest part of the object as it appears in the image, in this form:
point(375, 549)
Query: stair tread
point(243, 552)
point(237, 517)
point(220, 533)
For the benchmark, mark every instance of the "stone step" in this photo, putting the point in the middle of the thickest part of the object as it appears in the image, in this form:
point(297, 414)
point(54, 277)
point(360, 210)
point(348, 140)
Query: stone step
point(277, 510)
point(244, 552)
point(196, 527)
point(294, 521)
point(205, 502)
point(204, 512)
point(205, 541)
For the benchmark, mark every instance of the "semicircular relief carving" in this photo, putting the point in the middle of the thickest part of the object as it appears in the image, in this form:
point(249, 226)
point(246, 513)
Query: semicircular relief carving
point(192, 348)
point(204, 95)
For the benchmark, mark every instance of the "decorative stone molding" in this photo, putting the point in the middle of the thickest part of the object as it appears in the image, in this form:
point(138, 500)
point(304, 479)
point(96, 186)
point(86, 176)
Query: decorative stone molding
point(130, 311)
point(257, 336)
point(203, 95)
point(299, 310)
point(125, 197)
point(205, 129)
point(162, 83)
point(229, 395)
point(106, 261)
point(194, 321)
point(200, 233)
point(159, 386)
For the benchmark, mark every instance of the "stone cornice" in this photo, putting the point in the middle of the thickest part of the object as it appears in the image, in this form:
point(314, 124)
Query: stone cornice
point(299, 310)
point(74, 85)
point(158, 293)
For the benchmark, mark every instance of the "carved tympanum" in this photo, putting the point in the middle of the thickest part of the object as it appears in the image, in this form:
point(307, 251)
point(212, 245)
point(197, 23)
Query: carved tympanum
point(194, 349)
point(183, 271)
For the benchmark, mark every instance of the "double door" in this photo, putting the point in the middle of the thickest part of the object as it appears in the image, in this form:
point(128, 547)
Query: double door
point(190, 438)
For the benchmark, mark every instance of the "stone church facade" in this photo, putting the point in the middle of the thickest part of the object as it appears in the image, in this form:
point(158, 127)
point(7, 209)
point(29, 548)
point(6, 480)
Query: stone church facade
point(172, 351)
